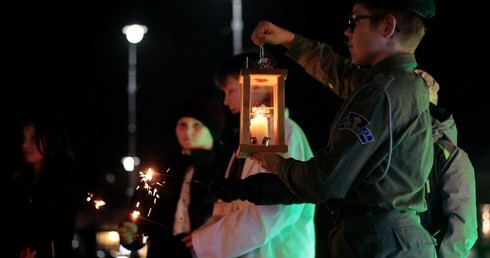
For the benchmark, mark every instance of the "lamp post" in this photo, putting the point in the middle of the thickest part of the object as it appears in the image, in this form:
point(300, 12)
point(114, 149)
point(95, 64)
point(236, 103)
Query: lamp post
point(134, 34)
point(237, 26)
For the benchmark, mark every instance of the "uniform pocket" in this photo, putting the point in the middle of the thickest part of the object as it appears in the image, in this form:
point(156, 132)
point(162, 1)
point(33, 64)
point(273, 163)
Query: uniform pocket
point(413, 236)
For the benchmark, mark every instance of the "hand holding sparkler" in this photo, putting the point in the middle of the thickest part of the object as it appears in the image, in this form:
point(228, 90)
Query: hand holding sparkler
point(128, 232)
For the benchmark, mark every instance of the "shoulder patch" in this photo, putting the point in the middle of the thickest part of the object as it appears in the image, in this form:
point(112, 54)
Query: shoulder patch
point(357, 124)
point(465, 188)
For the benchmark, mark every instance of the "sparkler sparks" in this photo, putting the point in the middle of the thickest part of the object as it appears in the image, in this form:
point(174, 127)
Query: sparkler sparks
point(98, 203)
point(152, 183)
point(151, 186)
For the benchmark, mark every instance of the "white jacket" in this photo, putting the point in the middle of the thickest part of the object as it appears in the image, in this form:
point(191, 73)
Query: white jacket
point(243, 229)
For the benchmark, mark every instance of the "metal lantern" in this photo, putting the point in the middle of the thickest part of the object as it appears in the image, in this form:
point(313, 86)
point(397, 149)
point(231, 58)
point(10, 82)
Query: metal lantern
point(262, 113)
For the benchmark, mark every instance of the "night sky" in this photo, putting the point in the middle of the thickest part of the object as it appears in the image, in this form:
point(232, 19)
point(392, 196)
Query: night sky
point(73, 58)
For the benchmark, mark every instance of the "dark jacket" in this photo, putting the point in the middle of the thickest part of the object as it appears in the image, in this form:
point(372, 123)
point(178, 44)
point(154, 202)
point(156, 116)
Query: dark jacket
point(45, 209)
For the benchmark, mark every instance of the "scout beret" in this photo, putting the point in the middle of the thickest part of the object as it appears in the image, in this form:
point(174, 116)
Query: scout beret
point(424, 8)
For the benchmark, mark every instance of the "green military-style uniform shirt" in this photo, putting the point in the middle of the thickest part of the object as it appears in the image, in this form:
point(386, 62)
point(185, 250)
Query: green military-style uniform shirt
point(379, 154)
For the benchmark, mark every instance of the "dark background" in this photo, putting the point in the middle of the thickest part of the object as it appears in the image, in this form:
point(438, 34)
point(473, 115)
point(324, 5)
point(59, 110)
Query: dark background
point(73, 58)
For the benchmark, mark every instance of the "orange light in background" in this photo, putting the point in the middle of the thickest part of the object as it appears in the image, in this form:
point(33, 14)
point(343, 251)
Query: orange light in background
point(108, 240)
point(485, 221)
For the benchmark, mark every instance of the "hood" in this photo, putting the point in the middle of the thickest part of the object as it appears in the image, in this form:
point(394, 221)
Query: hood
point(443, 124)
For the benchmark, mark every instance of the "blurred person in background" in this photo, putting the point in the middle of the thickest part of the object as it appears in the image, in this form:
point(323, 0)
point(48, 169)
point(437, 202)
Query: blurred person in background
point(451, 188)
point(47, 195)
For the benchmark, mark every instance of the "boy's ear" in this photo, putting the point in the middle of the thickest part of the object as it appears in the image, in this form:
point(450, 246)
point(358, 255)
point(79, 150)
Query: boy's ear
point(390, 25)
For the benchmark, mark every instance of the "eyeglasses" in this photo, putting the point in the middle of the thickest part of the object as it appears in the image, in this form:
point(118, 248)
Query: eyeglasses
point(355, 18)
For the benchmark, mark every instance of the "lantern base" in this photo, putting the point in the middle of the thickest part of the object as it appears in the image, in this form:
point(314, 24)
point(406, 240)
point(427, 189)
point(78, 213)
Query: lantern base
point(246, 150)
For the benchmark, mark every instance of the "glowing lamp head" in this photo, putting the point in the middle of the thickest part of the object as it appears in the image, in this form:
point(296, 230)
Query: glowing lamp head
point(134, 32)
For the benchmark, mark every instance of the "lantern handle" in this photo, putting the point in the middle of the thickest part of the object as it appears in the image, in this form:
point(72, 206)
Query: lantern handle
point(264, 62)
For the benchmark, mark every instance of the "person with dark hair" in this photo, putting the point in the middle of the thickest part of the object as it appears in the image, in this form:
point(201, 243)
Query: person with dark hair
point(240, 228)
point(47, 193)
point(373, 170)
point(174, 199)
point(450, 190)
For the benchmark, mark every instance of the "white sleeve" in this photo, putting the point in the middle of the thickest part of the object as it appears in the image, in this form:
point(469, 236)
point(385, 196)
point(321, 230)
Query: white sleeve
point(243, 231)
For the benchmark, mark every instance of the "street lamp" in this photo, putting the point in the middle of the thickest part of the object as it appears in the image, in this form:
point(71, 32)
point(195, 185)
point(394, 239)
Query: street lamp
point(237, 26)
point(134, 34)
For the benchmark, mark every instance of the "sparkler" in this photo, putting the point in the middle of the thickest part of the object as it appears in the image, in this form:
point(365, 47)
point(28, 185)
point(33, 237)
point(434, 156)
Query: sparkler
point(136, 214)
point(150, 186)
point(153, 187)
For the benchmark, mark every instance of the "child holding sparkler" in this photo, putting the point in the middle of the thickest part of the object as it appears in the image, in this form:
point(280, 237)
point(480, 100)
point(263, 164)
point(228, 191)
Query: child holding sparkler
point(172, 200)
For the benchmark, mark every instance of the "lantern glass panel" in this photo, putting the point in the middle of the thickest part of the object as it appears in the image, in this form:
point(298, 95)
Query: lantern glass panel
point(262, 118)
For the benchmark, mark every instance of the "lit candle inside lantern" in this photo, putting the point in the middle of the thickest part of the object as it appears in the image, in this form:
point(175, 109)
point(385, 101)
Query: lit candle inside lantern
point(259, 128)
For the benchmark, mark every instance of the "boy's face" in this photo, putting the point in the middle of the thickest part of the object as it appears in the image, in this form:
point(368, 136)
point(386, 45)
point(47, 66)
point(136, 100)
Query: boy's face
point(193, 134)
point(233, 94)
point(365, 42)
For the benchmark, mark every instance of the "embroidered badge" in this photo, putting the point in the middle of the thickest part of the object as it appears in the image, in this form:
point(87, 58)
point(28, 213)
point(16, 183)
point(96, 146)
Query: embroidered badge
point(358, 125)
point(465, 188)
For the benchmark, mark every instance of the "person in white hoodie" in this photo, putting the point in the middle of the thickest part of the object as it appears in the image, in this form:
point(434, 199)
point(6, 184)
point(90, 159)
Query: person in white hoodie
point(241, 228)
